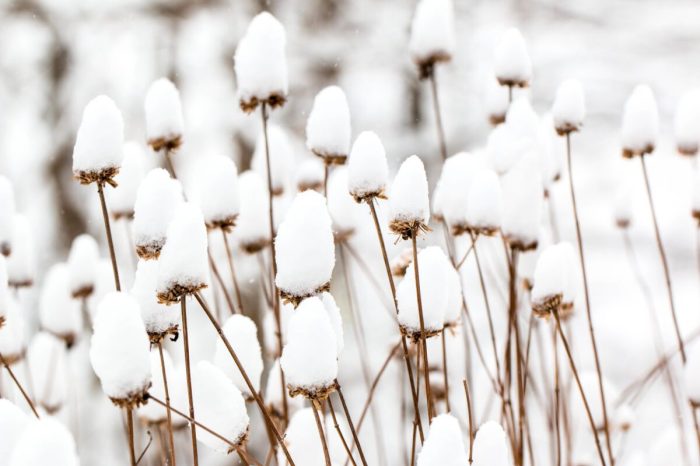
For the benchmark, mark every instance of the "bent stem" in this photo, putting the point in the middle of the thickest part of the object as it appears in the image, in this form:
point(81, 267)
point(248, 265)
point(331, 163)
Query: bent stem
point(130, 424)
point(471, 420)
point(108, 231)
point(19, 386)
point(340, 433)
point(232, 270)
point(167, 403)
point(350, 423)
point(596, 358)
point(186, 341)
point(664, 261)
point(324, 444)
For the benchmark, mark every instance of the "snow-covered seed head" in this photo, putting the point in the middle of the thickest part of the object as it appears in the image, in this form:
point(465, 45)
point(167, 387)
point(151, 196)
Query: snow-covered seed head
point(253, 223)
point(687, 123)
point(484, 204)
point(59, 313)
point(164, 125)
point(4, 290)
point(183, 266)
point(49, 371)
point(153, 413)
point(569, 260)
point(328, 127)
point(432, 35)
point(569, 108)
point(434, 295)
point(7, 215)
point(119, 350)
point(261, 65)
point(490, 446)
point(131, 173)
point(309, 357)
point(242, 332)
point(45, 441)
point(219, 406)
point(548, 287)
point(344, 211)
point(160, 320)
point(97, 154)
point(691, 374)
point(456, 178)
point(83, 259)
point(495, 101)
point(368, 171)
point(640, 123)
point(305, 251)
point(13, 421)
point(20, 264)
point(217, 191)
point(336, 320)
point(522, 204)
point(281, 157)
point(273, 394)
point(444, 445)
point(409, 203)
point(157, 200)
point(310, 175)
point(511, 62)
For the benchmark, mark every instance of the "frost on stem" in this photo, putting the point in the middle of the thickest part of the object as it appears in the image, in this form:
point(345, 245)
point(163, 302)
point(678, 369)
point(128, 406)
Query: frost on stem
point(484, 204)
point(490, 446)
point(569, 108)
point(309, 358)
point(511, 61)
point(344, 211)
point(131, 173)
point(458, 173)
point(4, 291)
point(154, 413)
point(305, 250)
point(59, 313)
point(97, 154)
point(242, 332)
point(157, 199)
point(444, 445)
point(253, 223)
point(45, 441)
point(7, 215)
point(409, 204)
point(13, 334)
point(20, 264)
point(686, 124)
point(691, 375)
point(183, 267)
point(13, 421)
point(281, 157)
point(433, 278)
point(216, 191)
point(522, 204)
point(368, 170)
point(328, 126)
point(119, 350)
point(640, 123)
point(309, 175)
point(164, 124)
point(160, 320)
point(261, 65)
point(219, 406)
point(495, 101)
point(49, 371)
point(83, 260)
point(432, 35)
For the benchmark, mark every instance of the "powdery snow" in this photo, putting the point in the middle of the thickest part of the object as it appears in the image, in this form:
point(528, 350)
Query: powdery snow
point(346, 214)
point(444, 445)
point(45, 441)
point(512, 64)
point(98, 145)
point(310, 175)
point(368, 171)
point(59, 313)
point(522, 202)
point(157, 318)
point(408, 201)
point(484, 203)
point(163, 111)
point(549, 276)
point(495, 101)
point(569, 108)
point(217, 190)
point(13, 337)
point(20, 264)
point(49, 371)
point(253, 224)
point(453, 311)
point(242, 333)
point(640, 121)
point(456, 178)
point(336, 320)
point(7, 215)
point(83, 258)
point(328, 126)
point(433, 31)
point(686, 127)
point(490, 447)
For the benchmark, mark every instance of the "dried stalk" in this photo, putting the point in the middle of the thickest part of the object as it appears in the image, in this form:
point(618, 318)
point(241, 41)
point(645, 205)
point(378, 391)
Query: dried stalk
point(324, 444)
point(130, 424)
point(186, 341)
point(19, 386)
point(232, 270)
point(108, 231)
point(438, 116)
point(340, 433)
point(167, 404)
point(471, 420)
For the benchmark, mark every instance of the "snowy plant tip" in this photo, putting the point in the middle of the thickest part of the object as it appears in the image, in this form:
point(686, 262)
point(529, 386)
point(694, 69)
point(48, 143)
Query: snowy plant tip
point(97, 154)
point(163, 109)
point(512, 64)
point(640, 123)
point(569, 108)
point(368, 170)
point(687, 123)
point(328, 126)
point(432, 35)
point(261, 65)
point(44, 441)
point(548, 287)
point(242, 332)
point(217, 192)
point(83, 260)
point(409, 202)
point(444, 445)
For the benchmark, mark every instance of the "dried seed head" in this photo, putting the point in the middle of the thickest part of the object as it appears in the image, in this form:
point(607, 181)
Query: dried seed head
point(83, 260)
point(484, 204)
point(458, 173)
point(432, 34)
point(253, 223)
point(164, 124)
point(409, 204)
point(160, 320)
point(495, 101)
point(216, 191)
point(20, 264)
point(328, 127)
point(569, 107)
point(640, 123)
point(511, 61)
point(368, 170)
point(400, 263)
point(310, 175)
point(522, 202)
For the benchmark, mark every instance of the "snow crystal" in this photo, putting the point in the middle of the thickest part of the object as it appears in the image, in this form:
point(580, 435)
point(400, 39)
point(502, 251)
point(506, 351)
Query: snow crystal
point(444, 445)
point(163, 112)
point(157, 318)
point(59, 313)
point(408, 201)
point(328, 126)
point(242, 333)
point(83, 259)
point(253, 224)
point(131, 173)
point(98, 146)
point(490, 447)
point(484, 204)
point(511, 61)
point(432, 32)
point(7, 215)
point(640, 122)
point(687, 123)
point(217, 190)
point(569, 108)
point(49, 370)
point(45, 441)
point(368, 171)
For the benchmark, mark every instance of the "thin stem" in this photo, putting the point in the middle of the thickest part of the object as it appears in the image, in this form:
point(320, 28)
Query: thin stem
point(186, 340)
point(326, 170)
point(664, 261)
point(19, 386)
point(249, 384)
point(130, 424)
point(596, 357)
point(340, 433)
point(438, 116)
point(556, 397)
point(471, 420)
point(350, 423)
point(324, 444)
point(444, 371)
point(372, 389)
point(232, 270)
point(167, 403)
point(217, 276)
point(696, 424)
point(464, 257)
point(108, 231)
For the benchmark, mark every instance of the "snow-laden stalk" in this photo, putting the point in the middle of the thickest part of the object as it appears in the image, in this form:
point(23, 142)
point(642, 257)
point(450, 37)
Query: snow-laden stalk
point(166, 389)
point(19, 386)
point(188, 374)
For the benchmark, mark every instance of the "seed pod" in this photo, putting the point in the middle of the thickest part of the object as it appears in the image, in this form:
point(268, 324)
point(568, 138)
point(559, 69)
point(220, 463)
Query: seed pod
point(310, 175)
point(217, 191)
point(368, 170)
point(484, 204)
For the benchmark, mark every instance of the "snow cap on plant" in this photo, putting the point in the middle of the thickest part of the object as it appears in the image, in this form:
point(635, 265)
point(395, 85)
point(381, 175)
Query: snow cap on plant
point(432, 35)
point(253, 223)
point(569, 108)
point(97, 154)
point(273, 393)
point(640, 123)
point(495, 101)
point(119, 350)
point(242, 332)
point(157, 200)
point(549, 283)
point(4, 290)
point(310, 175)
point(444, 445)
point(691, 374)
point(7, 215)
point(490, 447)
point(569, 264)
point(686, 125)
point(434, 294)
point(217, 191)
point(59, 313)
point(83, 259)
point(13, 421)
point(507, 143)
point(13, 334)
point(484, 204)
point(409, 204)
point(183, 267)
point(623, 207)
point(456, 178)
point(309, 357)
point(522, 204)
point(261, 65)
point(153, 412)
point(368, 171)
point(164, 125)
point(511, 62)
point(328, 126)
point(219, 406)
point(131, 173)
point(336, 320)
point(20, 264)
point(281, 157)
point(45, 441)
point(49, 371)
point(305, 250)
point(160, 320)
point(344, 211)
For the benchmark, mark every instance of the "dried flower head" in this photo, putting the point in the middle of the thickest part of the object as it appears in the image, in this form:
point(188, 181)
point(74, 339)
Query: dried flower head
point(511, 62)
point(569, 108)
point(59, 312)
point(640, 123)
point(20, 264)
point(164, 124)
point(83, 259)
point(310, 175)
point(328, 126)
point(368, 171)
point(444, 445)
point(432, 35)
point(522, 204)
point(217, 191)
point(409, 204)
point(160, 320)
point(400, 263)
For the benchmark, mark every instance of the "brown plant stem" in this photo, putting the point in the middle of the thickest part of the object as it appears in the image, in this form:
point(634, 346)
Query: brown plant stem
point(340, 433)
point(557, 431)
point(220, 281)
point(232, 270)
point(438, 116)
point(696, 424)
point(444, 371)
point(471, 420)
point(130, 424)
point(19, 386)
point(171, 438)
point(188, 372)
point(664, 261)
point(324, 444)
point(249, 384)
point(348, 418)
point(594, 345)
point(464, 257)
point(418, 361)
point(108, 231)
